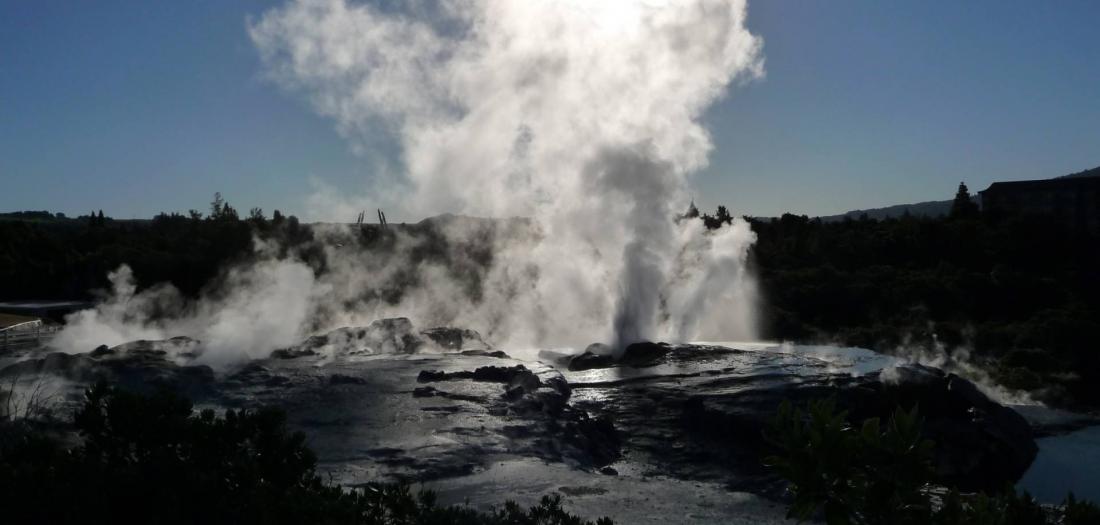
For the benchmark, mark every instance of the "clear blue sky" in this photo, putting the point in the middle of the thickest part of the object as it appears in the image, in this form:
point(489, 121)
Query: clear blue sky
point(141, 106)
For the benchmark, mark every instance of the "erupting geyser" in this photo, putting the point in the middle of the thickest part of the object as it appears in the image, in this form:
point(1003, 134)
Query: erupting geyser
point(583, 116)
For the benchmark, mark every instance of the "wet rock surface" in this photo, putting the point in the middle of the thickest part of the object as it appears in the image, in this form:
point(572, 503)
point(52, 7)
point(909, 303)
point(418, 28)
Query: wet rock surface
point(700, 413)
point(386, 402)
point(143, 366)
point(589, 361)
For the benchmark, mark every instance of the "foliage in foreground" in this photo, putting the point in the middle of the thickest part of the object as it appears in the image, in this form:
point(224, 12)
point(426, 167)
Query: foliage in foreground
point(882, 474)
point(153, 460)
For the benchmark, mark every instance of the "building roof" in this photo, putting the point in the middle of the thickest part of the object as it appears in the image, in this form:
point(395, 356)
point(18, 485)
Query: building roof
point(1043, 184)
point(29, 305)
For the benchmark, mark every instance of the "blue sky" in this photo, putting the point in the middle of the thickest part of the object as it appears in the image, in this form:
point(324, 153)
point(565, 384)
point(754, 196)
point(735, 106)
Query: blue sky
point(137, 107)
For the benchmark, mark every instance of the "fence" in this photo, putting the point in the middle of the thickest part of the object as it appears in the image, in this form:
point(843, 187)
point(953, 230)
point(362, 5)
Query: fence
point(30, 334)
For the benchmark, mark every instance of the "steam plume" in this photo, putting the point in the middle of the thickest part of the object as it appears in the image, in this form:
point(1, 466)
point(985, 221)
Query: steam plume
point(582, 115)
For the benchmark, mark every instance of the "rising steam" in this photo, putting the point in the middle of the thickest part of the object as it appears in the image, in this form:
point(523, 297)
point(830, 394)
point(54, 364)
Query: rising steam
point(583, 116)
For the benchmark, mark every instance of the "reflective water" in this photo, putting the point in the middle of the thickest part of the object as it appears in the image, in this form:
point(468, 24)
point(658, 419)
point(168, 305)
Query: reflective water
point(1066, 462)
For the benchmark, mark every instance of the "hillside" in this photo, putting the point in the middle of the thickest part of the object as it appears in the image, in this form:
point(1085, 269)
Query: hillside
point(1094, 172)
point(930, 209)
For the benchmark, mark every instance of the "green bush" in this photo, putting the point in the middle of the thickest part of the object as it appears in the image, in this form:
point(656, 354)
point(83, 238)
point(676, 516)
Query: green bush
point(882, 474)
point(874, 474)
point(151, 459)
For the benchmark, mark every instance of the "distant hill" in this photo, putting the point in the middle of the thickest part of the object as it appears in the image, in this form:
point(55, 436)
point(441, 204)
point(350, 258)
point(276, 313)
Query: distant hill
point(920, 209)
point(1094, 172)
point(33, 216)
point(930, 208)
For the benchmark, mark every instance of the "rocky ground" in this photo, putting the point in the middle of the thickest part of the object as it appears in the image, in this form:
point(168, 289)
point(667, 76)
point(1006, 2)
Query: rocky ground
point(665, 433)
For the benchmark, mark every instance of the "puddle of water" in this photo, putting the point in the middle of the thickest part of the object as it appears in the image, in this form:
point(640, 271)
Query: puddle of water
point(1066, 462)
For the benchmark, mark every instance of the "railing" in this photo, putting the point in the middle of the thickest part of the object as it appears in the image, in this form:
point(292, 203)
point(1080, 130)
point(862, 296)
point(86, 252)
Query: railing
point(30, 334)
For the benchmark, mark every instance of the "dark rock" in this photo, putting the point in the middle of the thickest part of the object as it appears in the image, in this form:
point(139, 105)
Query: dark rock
point(589, 361)
point(980, 445)
point(700, 419)
point(514, 393)
point(609, 471)
point(341, 379)
point(594, 438)
point(174, 347)
point(549, 401)
point(292, 353)
point(427, 391)
point(430, 376)
point(1046, 421)
point(581, 491)
point(526, 380)
point(599, 349)
point(101, 351)
point(138, 366)
point(517, 374)
point(395, 335)
point(560, 385)
point(644, 354)
point(384, 336)
point(456, 339)
point(250, 372)
point(555, 357)
point(486, 353)
point(277, 381)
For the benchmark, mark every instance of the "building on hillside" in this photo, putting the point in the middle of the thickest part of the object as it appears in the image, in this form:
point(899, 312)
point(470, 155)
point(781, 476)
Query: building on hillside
point(1074, 201)
point(52, 310)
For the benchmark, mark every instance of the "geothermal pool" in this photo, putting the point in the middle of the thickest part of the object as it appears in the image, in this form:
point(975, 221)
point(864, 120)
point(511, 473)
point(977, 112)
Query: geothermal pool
point(375, 407)
point(1068, 462)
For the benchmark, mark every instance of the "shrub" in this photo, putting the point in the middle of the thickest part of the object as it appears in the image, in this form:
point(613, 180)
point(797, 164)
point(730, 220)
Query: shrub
point(874, 474)
point(882, 475)
point(151, 459)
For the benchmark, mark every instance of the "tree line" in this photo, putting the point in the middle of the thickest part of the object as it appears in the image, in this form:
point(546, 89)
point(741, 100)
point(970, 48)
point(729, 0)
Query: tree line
point(1022, 293)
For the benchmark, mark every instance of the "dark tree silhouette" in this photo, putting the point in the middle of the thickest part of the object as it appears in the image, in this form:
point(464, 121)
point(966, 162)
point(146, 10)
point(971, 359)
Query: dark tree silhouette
point(216, 206)
point(221, 211)
point(963, 207)
point(723, 215)
point(692, 212)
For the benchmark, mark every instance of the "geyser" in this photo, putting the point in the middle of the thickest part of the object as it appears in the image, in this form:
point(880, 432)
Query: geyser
point(583, 116)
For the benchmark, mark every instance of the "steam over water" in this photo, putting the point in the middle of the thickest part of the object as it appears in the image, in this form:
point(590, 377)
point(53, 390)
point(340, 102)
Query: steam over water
point(583, 116)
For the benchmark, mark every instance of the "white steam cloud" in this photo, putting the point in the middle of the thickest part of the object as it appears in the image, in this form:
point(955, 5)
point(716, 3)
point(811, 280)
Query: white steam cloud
point(581, 115)
point(265, 305)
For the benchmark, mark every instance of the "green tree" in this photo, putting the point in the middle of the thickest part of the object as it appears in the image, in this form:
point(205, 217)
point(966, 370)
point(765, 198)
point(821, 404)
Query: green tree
point(723, 215)
point(963, 207)
point(216, 206)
